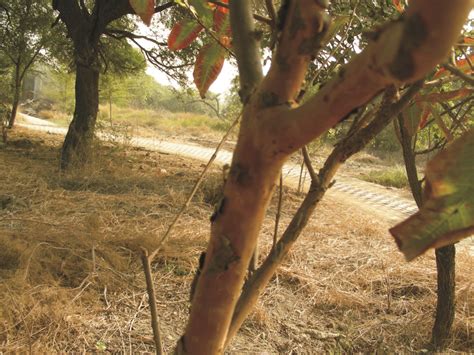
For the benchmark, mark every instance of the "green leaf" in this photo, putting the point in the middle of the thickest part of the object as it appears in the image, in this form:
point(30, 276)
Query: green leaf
point(411, 118)
point(144, 8)
point(203, 11)
point(399, 5)
point(439, 121)
point(208, 65)
point(183, 34)
point(221, 22)
point(447, 214)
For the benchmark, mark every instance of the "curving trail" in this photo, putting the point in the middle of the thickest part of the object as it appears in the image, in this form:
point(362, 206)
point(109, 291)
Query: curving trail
point(381, 202)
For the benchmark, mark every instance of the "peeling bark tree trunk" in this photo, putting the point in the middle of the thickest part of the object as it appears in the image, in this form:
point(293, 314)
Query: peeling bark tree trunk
point(445, 257)
point(77, 145)
point(272, 128)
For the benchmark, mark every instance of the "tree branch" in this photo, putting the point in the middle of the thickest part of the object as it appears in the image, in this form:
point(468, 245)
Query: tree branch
point(70, 14)
point(271, 12)
point(348, 147)
point(257, 17)
point(247, 48)
point(459, 73)
point(309, 165)
point(305, 25)
point(120, 34)
point(150, 288)
point(403, 51)
point(119, 8)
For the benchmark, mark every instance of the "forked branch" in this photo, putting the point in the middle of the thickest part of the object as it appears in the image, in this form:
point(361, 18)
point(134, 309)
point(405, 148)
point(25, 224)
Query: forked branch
point(402, 52)
point(345, 149)
point(247, 46)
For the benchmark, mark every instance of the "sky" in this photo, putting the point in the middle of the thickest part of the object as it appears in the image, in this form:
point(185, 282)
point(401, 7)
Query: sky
point(222, 84)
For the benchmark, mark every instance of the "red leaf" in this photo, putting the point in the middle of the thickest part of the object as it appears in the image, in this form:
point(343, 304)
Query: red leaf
point(398, 5)
point(221, 8)
point(424, 117)
point(208, 65)
point(468, 40)
point(144, 8)
point(462, 64)
point(221, 23)
point(183, 34)
point(444, 96)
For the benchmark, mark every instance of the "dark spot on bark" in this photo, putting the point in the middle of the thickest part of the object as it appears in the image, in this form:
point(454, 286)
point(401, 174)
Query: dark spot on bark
point(282, 14)
point(181, 346)
point(326, 98)
point(414, 34)
point(274, 141)
point(258, 35)
point(372, 35)
point(219, 209)
point(297, 23)
point(223, 257)
point(342, 73)
point(290, 146)
point(269, 99)
point(240, 175)
point(310, 45)
point(323, 3)
point(282, 62)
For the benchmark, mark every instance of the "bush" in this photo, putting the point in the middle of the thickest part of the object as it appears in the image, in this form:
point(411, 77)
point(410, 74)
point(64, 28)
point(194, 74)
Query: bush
point(391, 176)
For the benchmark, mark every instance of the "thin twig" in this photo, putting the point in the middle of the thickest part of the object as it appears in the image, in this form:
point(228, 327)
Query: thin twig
point(467, 78)
point(301, 178)
point(150, 288)
point(29, 220)
point(27, 268)
point(195, 188)
point(271, 12)
point(468, 60)
point(278, 214)
point(309, 165)
point(211, 33)
point(255, 16)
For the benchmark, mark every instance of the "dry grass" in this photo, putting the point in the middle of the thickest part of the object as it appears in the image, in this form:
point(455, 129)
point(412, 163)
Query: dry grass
point(71, 279)
point(149, 122)
point(392, 176)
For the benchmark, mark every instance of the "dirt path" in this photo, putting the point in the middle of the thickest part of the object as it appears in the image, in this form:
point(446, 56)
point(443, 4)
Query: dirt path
point(383, 203)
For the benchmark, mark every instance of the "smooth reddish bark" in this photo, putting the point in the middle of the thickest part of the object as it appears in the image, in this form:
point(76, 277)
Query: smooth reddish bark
point(272, 128)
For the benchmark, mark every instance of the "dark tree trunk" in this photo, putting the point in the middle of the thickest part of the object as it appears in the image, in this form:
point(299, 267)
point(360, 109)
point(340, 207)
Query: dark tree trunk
point(445, 308)
point(77, 145)
point(445, 257)
point(16, 97)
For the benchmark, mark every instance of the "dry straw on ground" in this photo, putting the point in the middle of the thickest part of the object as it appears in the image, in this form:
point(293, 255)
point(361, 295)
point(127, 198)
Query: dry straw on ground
point(71, 279)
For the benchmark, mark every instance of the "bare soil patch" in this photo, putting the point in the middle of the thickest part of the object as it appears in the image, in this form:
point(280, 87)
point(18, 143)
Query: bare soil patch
point(71, 279)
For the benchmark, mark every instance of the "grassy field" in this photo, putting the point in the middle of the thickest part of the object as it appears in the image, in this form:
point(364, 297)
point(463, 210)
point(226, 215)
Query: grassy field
point(393, 176)
point(71, 280)
point(386, 170)
point(162, 122)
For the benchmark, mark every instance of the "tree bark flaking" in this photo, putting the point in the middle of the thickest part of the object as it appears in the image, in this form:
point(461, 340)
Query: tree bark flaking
point(273, 127)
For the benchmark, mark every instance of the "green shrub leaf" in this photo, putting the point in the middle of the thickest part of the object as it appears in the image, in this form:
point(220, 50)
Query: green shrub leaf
point(208, 65)
point(447, 214)
point(183, 34)
point(144, 8)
